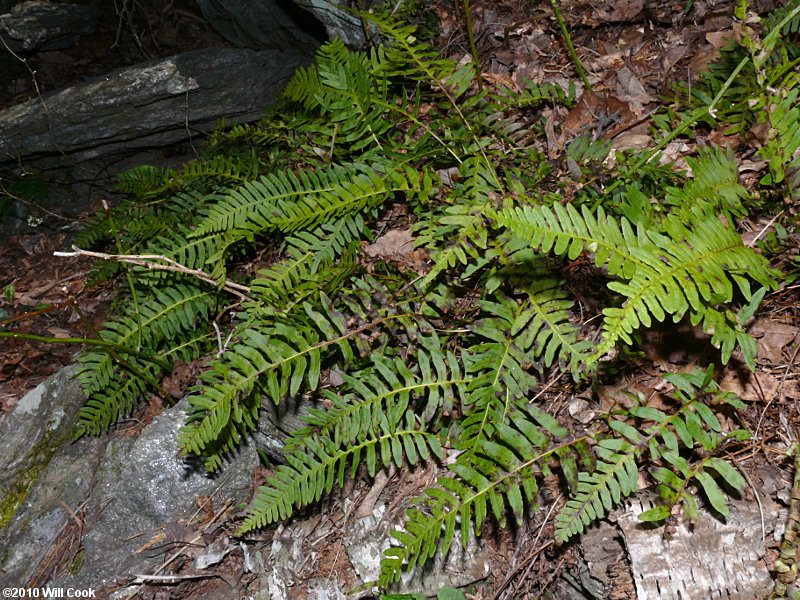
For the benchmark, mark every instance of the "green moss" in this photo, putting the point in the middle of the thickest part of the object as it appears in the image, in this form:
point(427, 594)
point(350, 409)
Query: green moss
point(76, 564)
point(17, 492)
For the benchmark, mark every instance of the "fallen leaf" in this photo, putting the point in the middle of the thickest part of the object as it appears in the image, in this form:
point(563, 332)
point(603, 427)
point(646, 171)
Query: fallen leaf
point(630, 88)
point(395, 241)
point(631, 141)
point(752, 389)
point(773, 336)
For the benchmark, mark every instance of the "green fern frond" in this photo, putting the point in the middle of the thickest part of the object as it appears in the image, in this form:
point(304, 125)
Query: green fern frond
point(221, 170)
point(307, 252)
point(782, 149)
point(278, 359)
point(287, 202)
point(501, 476)
point(306, 84)
point(165, 316)
point(283, 355)
point(714, 190)
point(616, 477)
point(144, 181)
point(463, 221)
point(691, 269)
point(406, 56)
point(384, 391)
point(565, 231)
point(544, 328)
point(115, 401)
point(533, 95)
point(684, 269)
point(312, 472)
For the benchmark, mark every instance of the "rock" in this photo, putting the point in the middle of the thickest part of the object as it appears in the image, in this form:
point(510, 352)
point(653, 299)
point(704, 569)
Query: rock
point(151, 104)
point(337, 22)
point(120, 488)
point(263, 23)
point(144, 487)
point(40, 469)
point(34, 26)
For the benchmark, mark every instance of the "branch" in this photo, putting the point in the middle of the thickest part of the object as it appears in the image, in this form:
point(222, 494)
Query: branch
point(145, 260)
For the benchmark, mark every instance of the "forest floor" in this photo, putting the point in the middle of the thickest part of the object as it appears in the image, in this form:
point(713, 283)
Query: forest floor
point(633, 51)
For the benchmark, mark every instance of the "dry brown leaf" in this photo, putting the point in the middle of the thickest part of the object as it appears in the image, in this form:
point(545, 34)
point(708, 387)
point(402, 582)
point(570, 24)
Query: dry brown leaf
point(773, 337)
point(58, 332)
point(750, 390)
point(393, 242)
point(631, 141)
point(590, 113)
point(612, 397)
point(397, 246)
point(630, 88)
point(619, 11)
point(720, 39)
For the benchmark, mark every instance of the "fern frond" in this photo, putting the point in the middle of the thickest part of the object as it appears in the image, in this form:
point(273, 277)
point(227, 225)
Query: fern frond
point(288, 202)
point(533, 95)
point(691, 269)
point(384, 391)
point(662, 274)
point(115, 401)
point(616, 477)
point(782, 149)
point(714, 190)
point(307, 252)
point(312, 472)
point(278, 359)
point(463, 221)
point(306, 84)
point(406, 56)
point(220, 170)
point(565, 231)
point(500, 477)
point(285, 356)
point(144, 181)
point(165, 316)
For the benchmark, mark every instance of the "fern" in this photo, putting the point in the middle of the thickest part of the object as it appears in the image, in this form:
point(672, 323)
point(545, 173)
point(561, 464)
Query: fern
point(164, 319)
point(439, 350)
point(714, 190)
point(307, 254)
point(287, 202)
point(309, 474)
point(682, 270)
point(365, 420)
point(616, 477)
point(501, 475)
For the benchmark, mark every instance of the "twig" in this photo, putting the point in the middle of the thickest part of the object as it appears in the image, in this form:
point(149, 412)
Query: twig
point(752, 243)
point(141, 577)
point(145, 260)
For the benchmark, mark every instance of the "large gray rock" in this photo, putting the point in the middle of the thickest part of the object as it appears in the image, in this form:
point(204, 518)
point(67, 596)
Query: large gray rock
point(152, 104)
point(142, 489)
point(263, 23)
point(337, 22)
point(39, 469)
point(33, 26)
point(125, 487)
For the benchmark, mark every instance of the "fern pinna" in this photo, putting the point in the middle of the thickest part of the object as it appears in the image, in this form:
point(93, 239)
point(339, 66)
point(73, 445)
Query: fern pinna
point(437, 357)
